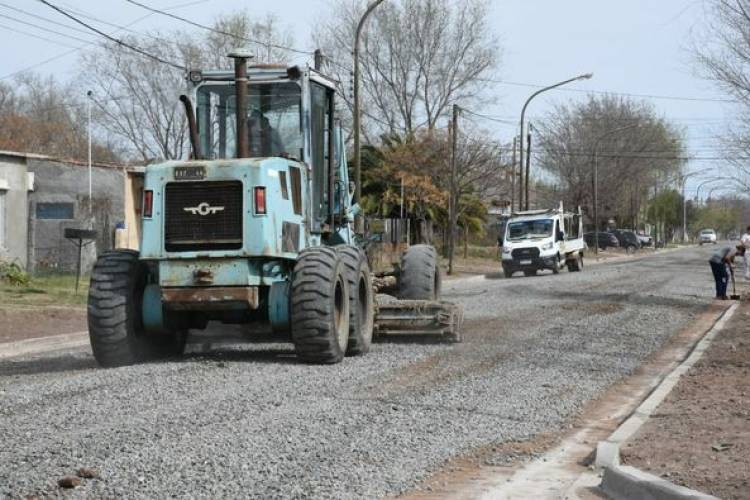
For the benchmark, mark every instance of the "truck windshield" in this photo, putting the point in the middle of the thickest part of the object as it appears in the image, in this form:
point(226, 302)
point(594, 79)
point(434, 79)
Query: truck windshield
point(273, 120)
point(520, 230)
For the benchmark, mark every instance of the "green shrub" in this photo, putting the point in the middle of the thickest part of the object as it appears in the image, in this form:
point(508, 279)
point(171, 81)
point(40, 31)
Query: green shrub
point(13, 274)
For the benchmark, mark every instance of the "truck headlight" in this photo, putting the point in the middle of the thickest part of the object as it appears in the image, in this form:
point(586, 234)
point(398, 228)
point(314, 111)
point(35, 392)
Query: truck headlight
point(548, 246)
point(506, 250)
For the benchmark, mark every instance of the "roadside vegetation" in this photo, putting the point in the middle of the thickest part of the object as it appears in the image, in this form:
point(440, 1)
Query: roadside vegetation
point(18, 288)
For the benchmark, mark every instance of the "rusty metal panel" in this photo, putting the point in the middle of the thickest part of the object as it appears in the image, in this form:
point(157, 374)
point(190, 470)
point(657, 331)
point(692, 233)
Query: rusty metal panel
point(210, 298)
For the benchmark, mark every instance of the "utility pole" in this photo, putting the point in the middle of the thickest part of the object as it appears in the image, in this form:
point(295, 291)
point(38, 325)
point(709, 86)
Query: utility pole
point(528, 168)
point(452, 201)
point(513, 176)
point(88, 106)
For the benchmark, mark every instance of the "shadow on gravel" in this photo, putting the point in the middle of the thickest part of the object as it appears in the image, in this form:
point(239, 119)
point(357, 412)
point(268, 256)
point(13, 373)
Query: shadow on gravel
point(223, 353)
point(46, 365)
point(411, 339)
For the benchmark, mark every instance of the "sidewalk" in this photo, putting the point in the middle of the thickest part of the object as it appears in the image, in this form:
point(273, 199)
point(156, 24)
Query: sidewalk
point(699, 437)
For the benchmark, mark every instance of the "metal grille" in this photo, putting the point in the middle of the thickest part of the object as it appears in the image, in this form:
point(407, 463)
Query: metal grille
point(525, 253)
point(203, 216)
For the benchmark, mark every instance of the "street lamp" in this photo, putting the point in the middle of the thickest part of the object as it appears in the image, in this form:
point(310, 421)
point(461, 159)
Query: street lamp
point(524, 185)
point(596, 178)
point(357, 112)
point(684, 206)
point(89, 96)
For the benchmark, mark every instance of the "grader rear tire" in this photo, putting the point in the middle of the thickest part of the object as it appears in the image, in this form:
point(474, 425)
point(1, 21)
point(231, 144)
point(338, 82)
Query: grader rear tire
point(320, 306)
point(114, 314)
point(420, 274)
point(361, 302)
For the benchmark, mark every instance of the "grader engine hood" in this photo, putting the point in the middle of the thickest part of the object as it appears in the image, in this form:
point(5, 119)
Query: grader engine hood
point(224, 208)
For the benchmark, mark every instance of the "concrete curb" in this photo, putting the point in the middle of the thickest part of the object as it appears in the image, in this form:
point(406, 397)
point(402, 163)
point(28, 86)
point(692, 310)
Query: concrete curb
point(625, 482)
point(44, 344)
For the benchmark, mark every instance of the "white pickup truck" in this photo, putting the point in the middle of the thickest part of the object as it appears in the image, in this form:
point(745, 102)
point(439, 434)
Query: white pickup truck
point(543, 239)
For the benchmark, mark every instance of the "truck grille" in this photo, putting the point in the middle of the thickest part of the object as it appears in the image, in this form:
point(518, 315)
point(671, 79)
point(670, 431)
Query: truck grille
point(203, 216)
point(525, 253)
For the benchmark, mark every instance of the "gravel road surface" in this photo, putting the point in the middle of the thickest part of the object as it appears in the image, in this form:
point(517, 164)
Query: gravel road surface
point(251, 422)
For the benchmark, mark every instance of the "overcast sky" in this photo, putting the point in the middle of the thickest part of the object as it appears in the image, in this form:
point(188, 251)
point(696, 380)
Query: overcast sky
point(631, 46)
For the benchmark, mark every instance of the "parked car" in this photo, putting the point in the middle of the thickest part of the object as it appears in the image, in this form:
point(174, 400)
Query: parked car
point(606, 240)
point(645, 239)
point(707, 236)
point(628, 239)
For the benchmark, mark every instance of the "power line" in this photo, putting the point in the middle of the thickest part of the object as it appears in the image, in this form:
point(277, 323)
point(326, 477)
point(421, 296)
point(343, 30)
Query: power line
point(214, 30)
point(36, 16)
point(39, 37)
point(606, 92)
point(74, 50)
point(113, 39)
point(45, 29)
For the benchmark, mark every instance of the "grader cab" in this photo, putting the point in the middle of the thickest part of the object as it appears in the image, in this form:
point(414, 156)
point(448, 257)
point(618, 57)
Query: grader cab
point(256, 228)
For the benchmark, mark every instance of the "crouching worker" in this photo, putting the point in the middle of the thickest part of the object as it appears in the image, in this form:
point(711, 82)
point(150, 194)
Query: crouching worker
point(721, 265)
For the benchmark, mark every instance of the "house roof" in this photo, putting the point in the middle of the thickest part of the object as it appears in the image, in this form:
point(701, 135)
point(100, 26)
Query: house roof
point(35, 156)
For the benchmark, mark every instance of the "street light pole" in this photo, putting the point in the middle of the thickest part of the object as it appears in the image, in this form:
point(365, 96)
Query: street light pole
point(523, 192)
point(596, 179)
point(357, 111)
point(89, 94)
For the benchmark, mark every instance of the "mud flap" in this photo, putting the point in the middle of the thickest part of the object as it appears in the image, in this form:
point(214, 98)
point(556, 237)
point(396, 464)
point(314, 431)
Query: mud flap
point(438, 319)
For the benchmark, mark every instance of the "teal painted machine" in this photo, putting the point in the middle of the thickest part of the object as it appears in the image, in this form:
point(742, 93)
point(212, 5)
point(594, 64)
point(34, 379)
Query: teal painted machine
point(255, 228)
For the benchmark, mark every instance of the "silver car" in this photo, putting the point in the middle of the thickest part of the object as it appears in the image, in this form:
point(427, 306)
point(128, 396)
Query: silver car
point(707, 236)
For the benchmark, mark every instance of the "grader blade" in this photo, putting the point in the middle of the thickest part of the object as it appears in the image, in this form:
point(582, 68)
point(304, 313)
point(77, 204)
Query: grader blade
point(439, 319)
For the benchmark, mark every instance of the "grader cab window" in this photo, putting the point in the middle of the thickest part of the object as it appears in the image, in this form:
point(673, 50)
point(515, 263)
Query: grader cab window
point(273, 120)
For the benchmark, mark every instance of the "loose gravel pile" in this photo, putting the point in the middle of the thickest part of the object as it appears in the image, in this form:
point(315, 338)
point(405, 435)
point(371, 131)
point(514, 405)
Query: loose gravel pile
point(250, 421)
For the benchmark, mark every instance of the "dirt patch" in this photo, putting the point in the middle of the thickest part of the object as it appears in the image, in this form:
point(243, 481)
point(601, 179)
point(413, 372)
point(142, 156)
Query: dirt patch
point(499, 457)
point(20, 323)
point(699, 436)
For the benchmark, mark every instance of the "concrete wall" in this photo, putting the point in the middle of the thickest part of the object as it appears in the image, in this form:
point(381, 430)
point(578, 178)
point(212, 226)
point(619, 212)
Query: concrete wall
point(14, 187)
point(67, 183)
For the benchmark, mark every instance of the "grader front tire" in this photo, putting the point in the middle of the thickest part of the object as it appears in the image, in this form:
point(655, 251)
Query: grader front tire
point(320, 306)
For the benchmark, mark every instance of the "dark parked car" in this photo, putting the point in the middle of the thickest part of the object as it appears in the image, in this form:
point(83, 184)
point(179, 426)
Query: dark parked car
point(606, 240)
point(628, 239)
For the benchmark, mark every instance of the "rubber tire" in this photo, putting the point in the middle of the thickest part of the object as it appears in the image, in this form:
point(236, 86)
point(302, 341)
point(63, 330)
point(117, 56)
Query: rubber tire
point(556, 266)
point(507, 273)
point(530, 272)
point(320, 306)
point(361, 301)
point(114, 314)
point(630, 249)
point(419, 278)
point(576, 265)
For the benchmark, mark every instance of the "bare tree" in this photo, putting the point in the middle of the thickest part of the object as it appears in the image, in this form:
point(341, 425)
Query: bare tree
point(418, 58)
point(722, 51)
point(137, 98)
point(636, 152)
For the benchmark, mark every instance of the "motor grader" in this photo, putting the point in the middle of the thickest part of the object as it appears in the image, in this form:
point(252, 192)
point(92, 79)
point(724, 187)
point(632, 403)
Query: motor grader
point(256, 228)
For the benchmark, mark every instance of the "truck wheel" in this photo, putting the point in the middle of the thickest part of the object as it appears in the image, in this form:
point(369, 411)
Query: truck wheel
point(420, 274)
point(575, 264)
point(507, 272)
point(556, 266)
point(361, 303)
point(114, 314)
point(320, 306)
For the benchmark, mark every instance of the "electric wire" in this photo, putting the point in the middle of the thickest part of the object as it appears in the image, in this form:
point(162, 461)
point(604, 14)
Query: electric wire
point(113, 39)
point(218, 31)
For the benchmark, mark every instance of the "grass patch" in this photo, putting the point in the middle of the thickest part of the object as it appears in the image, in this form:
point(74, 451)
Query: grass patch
point(46, 290)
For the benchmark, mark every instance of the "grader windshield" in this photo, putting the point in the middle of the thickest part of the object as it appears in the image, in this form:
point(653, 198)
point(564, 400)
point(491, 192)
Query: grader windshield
point(273, 115)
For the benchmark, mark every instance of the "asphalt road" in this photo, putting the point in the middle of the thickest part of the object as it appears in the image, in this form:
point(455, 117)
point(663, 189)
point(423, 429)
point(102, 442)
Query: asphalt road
point(252, 422)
